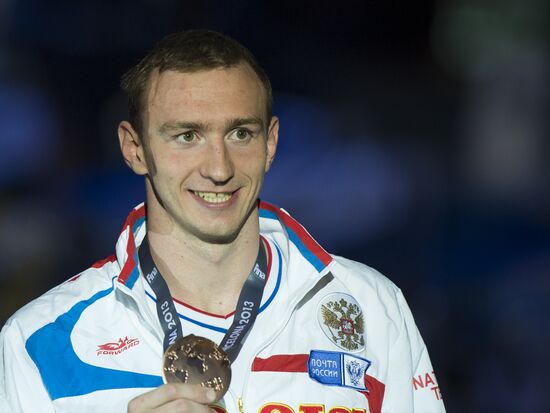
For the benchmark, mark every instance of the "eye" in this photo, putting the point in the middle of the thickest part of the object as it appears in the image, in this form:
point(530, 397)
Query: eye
point(186, 137)
point(242, 134)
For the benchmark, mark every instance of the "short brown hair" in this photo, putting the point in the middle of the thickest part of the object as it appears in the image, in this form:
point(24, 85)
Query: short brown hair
point(188, 51)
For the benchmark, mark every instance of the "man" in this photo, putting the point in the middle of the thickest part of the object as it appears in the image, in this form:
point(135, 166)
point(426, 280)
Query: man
point(305, 331)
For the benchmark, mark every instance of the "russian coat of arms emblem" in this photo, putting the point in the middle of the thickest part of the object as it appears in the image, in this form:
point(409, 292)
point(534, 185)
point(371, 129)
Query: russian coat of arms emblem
point(342, 321)
point(355, 371)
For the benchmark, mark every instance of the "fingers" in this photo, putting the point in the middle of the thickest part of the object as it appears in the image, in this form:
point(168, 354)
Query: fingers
point(183, 406)
point(183, 396)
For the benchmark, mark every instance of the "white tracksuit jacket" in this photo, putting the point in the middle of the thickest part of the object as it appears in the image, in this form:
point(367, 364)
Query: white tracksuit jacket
point(332, 336)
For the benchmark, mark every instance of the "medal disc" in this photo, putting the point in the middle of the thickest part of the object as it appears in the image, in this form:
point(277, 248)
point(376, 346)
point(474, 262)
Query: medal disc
point(197, 360)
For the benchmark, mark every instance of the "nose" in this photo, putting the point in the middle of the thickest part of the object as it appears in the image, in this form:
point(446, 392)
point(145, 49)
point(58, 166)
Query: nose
point(217, 164)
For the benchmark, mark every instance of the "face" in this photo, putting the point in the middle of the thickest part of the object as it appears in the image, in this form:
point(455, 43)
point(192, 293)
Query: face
point(205, 148)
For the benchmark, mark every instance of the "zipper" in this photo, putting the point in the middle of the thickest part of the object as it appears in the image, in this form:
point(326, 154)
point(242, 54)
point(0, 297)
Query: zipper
point(240, 405)
point(143, 310)
point(287, 316)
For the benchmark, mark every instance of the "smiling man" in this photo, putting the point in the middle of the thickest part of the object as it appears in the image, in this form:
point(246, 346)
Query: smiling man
point(207, 281)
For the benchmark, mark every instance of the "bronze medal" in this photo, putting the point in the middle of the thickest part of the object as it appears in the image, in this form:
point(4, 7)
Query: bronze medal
point(197, 360)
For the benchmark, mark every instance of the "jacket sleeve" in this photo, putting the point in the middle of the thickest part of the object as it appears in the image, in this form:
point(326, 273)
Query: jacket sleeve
point(21, 388)
point(412, 385)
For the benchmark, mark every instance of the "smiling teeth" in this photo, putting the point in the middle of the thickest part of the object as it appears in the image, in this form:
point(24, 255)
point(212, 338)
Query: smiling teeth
point(213, 197)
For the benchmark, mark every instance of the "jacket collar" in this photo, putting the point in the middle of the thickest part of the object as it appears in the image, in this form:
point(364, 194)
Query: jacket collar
point(302, 265)
point(276, 220)
point(133, 232)
point(304, 259)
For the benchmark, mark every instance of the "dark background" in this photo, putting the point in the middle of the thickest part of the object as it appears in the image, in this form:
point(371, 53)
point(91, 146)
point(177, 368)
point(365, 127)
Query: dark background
point(415, 138)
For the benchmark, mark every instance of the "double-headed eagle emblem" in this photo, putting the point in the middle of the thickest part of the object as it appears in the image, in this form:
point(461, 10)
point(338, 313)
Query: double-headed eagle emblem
point(345, 323)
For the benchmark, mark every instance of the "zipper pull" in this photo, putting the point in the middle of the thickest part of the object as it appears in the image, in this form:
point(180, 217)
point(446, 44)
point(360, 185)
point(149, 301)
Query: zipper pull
point(240, 405)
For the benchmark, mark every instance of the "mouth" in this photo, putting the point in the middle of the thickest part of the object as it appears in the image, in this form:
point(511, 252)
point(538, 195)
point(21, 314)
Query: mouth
point(214, 197)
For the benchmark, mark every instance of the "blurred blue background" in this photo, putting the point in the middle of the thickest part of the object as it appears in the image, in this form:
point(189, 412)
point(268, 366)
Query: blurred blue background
point(415, 138)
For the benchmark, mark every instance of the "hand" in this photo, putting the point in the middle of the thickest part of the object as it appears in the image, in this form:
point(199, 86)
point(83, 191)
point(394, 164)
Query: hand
point(174, 398)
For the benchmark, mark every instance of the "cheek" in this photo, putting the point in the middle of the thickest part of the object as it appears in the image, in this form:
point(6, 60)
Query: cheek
point(260, 165)
point(172, 165)
point(150, 162)
point(167, 175)
point(256, 172)
point(253, 162)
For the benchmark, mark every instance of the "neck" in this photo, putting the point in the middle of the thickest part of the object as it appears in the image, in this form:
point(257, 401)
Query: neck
point(205, 275)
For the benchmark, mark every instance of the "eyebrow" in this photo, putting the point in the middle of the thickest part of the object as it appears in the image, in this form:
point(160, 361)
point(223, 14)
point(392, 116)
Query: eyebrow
point(235, 123)
point(175, 126)
point(230, 124)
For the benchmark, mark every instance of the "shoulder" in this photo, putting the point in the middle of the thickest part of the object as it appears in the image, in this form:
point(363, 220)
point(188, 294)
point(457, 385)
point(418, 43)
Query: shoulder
point(370, 287)
point(362, 276)
point(98, 279)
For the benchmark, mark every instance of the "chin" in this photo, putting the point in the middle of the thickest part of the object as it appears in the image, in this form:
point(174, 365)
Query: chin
point(223, 231)
point(218, 238)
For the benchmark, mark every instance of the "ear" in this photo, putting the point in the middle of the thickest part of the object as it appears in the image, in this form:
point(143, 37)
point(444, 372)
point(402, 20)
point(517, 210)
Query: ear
point(132, 148)
point(272, 139)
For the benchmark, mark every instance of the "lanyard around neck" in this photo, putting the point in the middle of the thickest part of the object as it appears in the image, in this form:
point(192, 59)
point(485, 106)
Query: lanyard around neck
point(246, 311)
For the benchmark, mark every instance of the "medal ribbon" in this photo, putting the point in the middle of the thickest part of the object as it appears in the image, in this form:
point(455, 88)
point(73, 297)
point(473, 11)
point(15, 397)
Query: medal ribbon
point(246, 311)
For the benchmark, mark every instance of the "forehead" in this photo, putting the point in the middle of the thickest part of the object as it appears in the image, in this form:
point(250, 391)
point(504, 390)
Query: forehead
point(206, 95)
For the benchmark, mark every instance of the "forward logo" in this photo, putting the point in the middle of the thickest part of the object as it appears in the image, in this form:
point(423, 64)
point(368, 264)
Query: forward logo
point(118, 347)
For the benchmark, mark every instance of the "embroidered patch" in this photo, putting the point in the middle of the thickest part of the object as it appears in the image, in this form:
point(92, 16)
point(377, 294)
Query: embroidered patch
point(338, 369)
point(341, 319)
